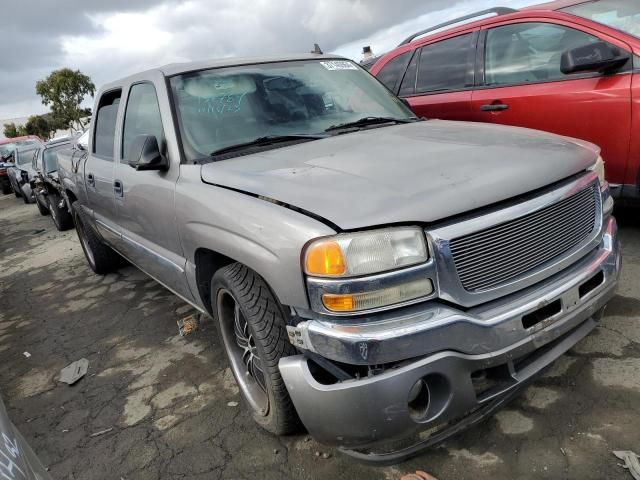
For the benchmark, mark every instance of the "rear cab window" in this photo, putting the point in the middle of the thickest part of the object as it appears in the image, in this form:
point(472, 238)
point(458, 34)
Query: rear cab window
point(50, 157)
point(105, 128)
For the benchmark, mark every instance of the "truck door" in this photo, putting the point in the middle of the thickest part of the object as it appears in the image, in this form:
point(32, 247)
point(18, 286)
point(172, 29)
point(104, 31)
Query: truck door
point(99, 167)
point(524, 86)
point(145, 199)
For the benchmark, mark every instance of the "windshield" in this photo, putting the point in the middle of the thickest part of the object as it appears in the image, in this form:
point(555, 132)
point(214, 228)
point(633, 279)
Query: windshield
point(622, 15)
point(50, 158)
point(220, 108)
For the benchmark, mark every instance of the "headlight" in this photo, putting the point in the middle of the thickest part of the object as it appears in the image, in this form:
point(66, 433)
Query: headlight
point(598, 168)
point(364, 253)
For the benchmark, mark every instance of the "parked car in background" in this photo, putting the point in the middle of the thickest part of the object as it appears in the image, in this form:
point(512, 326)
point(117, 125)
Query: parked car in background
point(374, 276)
point(7, 149)
point(567, 67)
point(46, 185)
point(5, 183)
point(21, 172)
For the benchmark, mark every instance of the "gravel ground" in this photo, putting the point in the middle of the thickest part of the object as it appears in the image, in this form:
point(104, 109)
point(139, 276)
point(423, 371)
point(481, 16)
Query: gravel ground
point(170, 407)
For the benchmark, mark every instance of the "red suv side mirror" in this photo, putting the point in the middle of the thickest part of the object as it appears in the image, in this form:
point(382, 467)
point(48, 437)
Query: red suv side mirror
point(595, 57)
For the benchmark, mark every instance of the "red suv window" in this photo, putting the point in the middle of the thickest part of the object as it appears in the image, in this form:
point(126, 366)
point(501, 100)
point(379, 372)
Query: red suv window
point(391, 74)
point(529, 52)
point(446, 65)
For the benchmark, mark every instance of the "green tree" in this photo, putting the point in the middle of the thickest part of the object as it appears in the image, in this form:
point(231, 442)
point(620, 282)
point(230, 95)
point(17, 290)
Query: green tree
point(64, 90)
point(12, 131)
point(38, 125)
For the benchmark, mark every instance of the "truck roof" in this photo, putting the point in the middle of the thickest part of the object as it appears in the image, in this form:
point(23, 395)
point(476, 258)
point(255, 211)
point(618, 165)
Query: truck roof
point(177, 68)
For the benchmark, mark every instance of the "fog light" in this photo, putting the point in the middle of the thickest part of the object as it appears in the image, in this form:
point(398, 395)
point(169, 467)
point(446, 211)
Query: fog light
point(354, 302)
point(418, 401)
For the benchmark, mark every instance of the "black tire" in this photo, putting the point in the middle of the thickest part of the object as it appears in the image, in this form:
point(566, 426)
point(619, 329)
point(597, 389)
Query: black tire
point(25, 198)
point(101, 258)
point(61, 217)
point(41, 202)
point(6, 189)
point(265, 322)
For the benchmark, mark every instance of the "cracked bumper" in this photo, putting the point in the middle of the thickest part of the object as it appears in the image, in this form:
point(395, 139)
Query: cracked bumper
point(452, 349)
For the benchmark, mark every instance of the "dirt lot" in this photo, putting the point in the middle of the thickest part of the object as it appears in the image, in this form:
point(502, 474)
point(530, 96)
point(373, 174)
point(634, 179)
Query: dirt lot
point(170, 401)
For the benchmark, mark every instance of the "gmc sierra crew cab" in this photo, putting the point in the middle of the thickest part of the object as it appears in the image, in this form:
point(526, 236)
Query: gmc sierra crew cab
point(381, 279)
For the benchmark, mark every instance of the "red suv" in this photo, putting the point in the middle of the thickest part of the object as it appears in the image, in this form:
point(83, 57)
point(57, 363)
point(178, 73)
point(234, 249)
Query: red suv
point(567, 67)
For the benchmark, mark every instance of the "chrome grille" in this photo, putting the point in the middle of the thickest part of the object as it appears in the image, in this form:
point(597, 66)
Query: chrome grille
point(494, 256)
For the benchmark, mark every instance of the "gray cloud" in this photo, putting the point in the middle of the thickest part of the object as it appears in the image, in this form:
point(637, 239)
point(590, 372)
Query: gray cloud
point(92, 36)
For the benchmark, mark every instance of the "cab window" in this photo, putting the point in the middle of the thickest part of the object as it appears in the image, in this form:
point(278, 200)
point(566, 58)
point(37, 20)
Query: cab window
point(142, 116)
point(106, 124)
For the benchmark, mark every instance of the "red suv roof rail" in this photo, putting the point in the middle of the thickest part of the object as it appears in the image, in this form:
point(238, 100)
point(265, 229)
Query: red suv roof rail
point(497, 10)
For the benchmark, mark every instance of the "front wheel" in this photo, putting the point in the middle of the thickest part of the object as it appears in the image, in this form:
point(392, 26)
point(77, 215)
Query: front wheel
point(252, 326)
point(101, 258)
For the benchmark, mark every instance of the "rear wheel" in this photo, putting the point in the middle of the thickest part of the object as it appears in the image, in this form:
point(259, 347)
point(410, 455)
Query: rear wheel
point(252, 326)
point(6, 188)
point(60, 215)
point(41, 201)
point(101, 258)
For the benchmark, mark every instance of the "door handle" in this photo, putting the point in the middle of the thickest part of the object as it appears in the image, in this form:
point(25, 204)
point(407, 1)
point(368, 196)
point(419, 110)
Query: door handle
point(91, 179)
point(494, 107)
point(117, 188)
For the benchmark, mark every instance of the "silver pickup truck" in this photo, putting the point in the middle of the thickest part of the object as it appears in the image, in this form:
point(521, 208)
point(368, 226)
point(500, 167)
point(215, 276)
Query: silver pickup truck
point(382, 279)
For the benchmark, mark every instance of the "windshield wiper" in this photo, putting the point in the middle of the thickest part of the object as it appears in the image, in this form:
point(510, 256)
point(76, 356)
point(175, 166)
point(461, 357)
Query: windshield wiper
point(363, 122)
point(267, 140)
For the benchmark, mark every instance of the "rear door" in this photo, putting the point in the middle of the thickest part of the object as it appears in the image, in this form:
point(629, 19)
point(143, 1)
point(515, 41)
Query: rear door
point(145, 199)
point(439, 79)
point(521, 84)
point(99, 167)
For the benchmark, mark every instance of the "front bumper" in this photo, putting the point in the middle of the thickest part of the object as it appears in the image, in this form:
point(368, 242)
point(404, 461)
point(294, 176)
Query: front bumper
point(448, 350)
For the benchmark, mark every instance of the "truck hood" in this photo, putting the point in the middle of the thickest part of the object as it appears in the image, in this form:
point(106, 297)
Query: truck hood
point(421, 172)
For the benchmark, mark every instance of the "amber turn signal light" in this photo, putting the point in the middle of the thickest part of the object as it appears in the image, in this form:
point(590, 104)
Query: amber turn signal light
point(325, 258)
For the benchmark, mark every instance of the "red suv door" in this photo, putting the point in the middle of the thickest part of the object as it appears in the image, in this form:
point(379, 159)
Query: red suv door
point(521, 84)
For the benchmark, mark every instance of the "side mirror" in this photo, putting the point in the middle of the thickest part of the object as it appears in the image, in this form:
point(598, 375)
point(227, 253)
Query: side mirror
point(595, 57)
point(144, 154)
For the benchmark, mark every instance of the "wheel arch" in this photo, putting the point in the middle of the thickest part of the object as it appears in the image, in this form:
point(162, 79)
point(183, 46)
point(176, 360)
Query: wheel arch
point(207, 263)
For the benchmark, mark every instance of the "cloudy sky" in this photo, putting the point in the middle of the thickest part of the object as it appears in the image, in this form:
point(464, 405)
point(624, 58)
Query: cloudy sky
point(108, 39)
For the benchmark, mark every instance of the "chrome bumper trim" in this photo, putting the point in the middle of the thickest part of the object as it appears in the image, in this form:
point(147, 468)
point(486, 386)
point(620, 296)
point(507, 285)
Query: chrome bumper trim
point(430, 327)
